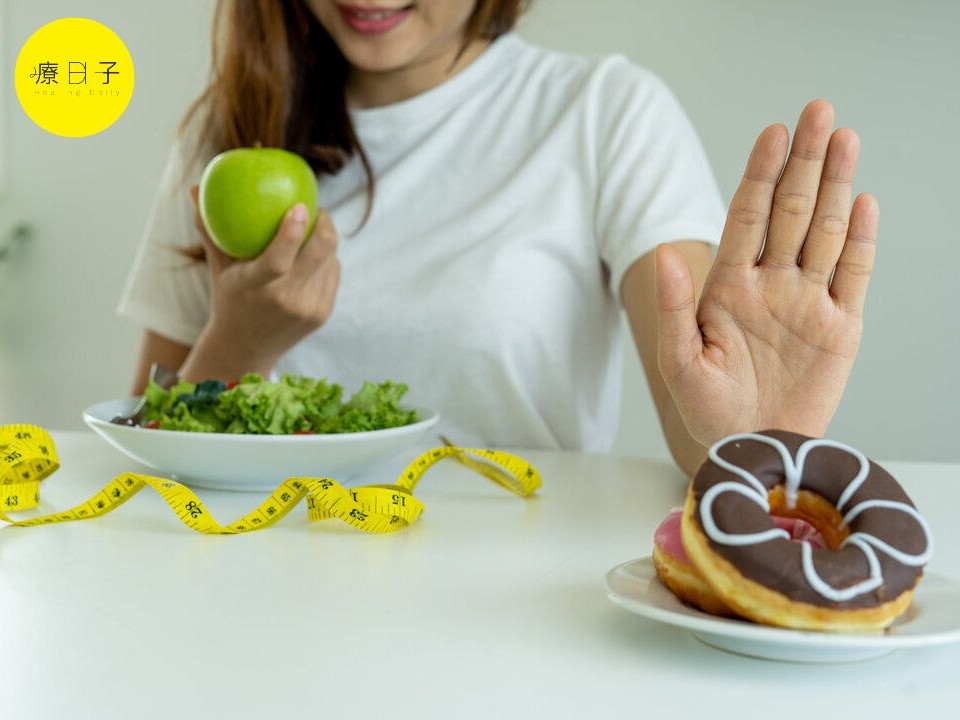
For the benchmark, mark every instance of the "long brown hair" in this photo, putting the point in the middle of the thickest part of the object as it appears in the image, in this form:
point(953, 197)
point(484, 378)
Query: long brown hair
point(278, 79)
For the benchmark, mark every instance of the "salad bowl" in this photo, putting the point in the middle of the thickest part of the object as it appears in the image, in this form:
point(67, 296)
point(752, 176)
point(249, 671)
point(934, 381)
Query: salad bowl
point(247, 462)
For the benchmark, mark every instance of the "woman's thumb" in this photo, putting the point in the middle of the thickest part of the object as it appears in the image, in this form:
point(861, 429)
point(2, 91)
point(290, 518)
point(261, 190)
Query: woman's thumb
point(679, 339)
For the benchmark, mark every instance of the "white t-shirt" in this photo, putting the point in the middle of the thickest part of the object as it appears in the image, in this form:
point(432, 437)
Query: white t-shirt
point(510, 200)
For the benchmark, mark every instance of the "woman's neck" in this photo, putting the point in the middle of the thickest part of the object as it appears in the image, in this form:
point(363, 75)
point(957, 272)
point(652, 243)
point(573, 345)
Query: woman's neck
point(372, 89)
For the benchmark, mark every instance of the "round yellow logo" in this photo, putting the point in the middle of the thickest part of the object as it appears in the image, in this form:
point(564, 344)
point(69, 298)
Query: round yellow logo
point(74, 77)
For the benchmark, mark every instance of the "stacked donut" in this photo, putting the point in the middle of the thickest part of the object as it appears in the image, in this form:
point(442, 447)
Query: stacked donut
point(797, 532)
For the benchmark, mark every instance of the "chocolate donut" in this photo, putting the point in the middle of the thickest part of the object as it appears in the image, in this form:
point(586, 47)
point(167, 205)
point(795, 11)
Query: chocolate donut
point(878, 541)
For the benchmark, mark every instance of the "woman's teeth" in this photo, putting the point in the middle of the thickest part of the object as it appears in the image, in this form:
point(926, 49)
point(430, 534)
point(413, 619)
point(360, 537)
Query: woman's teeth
point(375, 15)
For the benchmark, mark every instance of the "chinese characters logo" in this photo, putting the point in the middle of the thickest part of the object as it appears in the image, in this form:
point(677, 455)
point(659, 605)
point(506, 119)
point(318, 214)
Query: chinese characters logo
point(46, 72)
point(74, 77)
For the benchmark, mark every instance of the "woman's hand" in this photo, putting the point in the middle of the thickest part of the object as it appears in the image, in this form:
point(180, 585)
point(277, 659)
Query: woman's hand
point(775, 334)
point(261, 308)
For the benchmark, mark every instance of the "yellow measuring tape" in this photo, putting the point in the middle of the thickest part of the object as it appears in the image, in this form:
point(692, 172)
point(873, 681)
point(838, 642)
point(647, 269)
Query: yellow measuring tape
point(28, 455)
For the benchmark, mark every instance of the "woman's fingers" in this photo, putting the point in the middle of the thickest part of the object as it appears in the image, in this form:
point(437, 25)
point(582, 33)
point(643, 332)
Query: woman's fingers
point(750, 208)
point(278, 257)
point(317, 269)
point(855, 265)
point(828, 227)
point(796, 193)
point(679, 340)
point(318, 249)
point(322, 288)
point(318, 266)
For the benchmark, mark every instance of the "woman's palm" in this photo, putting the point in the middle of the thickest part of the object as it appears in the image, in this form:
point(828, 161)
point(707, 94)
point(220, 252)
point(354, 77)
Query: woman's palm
point(774, 336)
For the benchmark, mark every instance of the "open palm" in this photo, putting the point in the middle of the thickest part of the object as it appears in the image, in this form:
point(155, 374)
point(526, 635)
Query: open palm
point(774, 336)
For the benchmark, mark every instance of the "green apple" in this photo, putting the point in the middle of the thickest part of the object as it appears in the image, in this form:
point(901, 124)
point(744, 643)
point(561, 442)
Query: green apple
point(245, 193)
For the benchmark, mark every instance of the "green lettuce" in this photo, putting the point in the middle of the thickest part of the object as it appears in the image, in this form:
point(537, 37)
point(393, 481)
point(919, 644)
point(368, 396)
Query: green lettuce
point(293, 404)
point(255, 406)
point(160, 401)
point(375, 407)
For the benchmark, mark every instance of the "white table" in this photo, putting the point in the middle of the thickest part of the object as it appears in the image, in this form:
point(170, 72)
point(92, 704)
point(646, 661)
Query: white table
point(490, 606)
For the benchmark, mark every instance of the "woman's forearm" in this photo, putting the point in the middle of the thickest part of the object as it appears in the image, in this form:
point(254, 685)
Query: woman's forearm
point(686, 452)
point(213, 358)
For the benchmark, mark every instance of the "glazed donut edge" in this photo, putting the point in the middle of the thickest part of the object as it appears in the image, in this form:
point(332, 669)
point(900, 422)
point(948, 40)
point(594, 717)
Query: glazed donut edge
point(683, 580)
point(761, 604)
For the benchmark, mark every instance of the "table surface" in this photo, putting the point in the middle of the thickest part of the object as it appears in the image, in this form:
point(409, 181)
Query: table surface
point(490, 606)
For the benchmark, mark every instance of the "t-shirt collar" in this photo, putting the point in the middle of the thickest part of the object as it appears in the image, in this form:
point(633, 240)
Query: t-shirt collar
point(444, 95)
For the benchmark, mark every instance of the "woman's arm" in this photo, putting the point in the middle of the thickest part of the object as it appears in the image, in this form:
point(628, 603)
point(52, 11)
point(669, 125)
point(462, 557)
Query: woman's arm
point(637, 297)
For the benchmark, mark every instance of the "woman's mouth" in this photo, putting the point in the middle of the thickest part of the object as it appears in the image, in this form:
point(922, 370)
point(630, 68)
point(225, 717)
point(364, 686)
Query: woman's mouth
point(373, 20)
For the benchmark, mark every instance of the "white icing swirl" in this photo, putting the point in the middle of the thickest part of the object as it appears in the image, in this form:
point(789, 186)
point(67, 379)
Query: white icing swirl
point(793, 477)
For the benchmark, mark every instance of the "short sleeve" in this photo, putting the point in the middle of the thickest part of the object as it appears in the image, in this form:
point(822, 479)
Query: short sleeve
point(167, 292)
point(655, 183)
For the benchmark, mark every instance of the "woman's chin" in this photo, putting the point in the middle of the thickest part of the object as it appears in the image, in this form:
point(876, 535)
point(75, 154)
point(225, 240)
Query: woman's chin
point(378, 56)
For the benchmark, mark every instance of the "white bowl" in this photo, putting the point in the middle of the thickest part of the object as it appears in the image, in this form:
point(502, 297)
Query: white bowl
point(226, 461)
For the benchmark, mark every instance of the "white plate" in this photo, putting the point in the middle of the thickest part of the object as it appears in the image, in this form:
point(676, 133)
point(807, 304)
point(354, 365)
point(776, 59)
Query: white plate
point(933, 619)
point(252, 462)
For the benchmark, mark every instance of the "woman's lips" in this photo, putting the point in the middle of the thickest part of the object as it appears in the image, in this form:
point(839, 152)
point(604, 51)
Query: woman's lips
point(373, 20)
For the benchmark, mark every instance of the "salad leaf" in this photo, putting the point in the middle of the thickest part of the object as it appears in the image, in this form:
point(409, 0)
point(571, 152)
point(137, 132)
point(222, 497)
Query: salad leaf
point(185, 406)
point(160, 401)
point(293, 404)
point(181, 417)
point(255, 406)
point(374, 407)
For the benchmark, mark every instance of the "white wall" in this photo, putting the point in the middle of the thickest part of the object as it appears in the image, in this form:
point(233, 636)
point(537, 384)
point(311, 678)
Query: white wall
point(891, 70)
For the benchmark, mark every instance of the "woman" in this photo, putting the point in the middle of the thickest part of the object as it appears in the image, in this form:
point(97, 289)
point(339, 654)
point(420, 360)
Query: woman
point(497, 204)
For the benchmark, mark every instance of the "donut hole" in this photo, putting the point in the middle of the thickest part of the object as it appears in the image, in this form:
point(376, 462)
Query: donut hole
point(814, 509)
